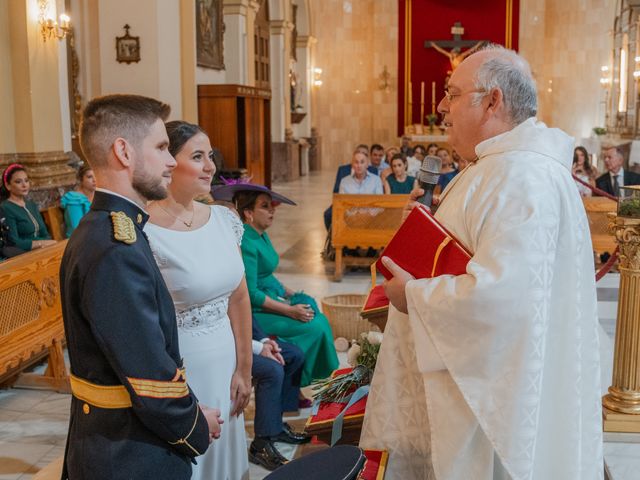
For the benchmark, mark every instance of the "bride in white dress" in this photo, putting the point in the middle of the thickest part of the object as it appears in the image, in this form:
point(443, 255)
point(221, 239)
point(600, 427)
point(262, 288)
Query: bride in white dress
point(197, 249)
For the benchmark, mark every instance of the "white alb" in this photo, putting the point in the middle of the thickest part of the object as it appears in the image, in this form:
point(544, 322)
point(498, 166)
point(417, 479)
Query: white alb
point(496, 373)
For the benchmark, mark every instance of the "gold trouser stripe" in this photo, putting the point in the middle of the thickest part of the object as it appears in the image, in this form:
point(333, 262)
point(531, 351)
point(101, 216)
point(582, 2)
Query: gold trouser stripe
point(102, 396)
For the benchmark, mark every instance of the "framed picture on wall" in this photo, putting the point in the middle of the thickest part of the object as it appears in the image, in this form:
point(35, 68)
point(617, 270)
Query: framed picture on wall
point(209, 34)
point(127, 47)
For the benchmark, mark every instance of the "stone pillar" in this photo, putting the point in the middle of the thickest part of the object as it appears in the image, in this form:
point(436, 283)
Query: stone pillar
point(279, 60)
point(235, 33)
point(622, 403)
point(305, 77)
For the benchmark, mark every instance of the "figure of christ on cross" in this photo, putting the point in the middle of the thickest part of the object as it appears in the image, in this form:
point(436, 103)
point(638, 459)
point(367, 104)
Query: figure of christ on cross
point(455, 55)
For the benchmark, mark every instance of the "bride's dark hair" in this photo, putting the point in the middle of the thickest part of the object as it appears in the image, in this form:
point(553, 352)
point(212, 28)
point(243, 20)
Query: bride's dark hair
point(180, 132)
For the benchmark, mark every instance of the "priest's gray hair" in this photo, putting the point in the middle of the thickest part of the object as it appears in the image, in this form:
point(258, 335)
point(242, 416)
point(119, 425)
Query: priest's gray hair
point(511, 73)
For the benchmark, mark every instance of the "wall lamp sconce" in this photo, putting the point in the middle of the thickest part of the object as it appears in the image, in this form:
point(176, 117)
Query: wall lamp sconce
point(317, 77)
point(605, 78)
point(49, 27)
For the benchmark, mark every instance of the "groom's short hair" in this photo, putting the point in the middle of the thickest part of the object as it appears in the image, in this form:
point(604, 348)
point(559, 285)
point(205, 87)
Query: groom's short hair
point(117, 116)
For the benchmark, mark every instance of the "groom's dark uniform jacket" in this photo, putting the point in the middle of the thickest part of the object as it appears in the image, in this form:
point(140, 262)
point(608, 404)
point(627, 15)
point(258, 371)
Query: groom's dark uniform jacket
point(132, 412)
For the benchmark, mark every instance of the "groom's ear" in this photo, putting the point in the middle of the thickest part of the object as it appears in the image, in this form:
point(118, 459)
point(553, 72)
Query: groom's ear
point(123, 152)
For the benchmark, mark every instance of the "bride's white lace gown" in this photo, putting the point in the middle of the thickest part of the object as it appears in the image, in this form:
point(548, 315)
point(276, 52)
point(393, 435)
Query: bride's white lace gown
point(202, 268)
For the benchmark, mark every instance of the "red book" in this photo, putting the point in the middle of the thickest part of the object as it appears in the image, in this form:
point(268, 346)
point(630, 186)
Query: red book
point(424, 248)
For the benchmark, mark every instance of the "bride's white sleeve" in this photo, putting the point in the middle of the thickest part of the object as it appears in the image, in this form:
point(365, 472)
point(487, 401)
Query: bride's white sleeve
point(234, 222)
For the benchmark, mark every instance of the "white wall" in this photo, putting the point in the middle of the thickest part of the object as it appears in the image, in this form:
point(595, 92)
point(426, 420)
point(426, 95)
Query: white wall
point(157, 74)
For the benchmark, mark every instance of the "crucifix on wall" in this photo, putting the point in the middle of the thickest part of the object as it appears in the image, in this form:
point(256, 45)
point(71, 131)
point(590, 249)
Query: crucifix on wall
point(455, 54)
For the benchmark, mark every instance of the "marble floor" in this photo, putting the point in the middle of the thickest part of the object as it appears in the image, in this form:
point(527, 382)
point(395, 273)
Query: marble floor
point(33, 423)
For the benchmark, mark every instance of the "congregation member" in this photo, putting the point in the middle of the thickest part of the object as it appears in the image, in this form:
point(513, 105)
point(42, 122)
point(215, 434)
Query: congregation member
point(616, 176)
point(459, 163)
point(133, 414)
point(447, 170)
point(361, 180)
point(415, 162)
point(399, 181)
point(344, 171)
point(276, 371)
point(25, 226)
point(405, 147)
point(583, 169)
point(388, 155)
point(76, 203)
point(292, 316)
point(505, 357)
point(377, 158)
point(197, 249)
point(432, 149)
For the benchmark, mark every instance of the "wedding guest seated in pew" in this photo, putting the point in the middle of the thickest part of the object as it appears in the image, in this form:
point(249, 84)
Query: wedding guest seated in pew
point(432, 149)
point(276, 371)
point(26, 227)
point(361, 181)
point(344, 171)
point(377, 158)
point(399, 181)
point(292, 316)
point(415, 162)
point(583, 169)
point(447, 169)
point(76, 203)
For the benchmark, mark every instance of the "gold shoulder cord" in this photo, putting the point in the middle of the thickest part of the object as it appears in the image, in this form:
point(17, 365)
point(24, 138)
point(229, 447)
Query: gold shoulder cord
point(123, 228)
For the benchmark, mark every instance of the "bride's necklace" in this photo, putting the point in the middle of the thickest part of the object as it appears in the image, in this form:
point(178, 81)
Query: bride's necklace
point(187, 224)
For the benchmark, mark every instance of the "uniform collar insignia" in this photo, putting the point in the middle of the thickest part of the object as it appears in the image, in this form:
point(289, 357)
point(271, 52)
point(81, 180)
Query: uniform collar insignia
point(123, 228)
point(109, 202)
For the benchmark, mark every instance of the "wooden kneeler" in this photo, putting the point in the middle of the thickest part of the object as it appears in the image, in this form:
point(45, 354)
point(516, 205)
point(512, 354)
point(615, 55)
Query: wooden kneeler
point(31, 327)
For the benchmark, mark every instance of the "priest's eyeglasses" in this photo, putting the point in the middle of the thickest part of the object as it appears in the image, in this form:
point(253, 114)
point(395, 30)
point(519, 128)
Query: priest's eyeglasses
point(450, 96)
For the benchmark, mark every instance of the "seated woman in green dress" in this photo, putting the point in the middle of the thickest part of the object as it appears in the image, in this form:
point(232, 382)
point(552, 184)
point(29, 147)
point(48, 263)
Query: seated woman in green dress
point(292, 316)
point(399, 181)
point(76, 203)
point(27, 229)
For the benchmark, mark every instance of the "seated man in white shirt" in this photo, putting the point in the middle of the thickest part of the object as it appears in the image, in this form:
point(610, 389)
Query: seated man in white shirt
point(615, 177)
point(361, 181)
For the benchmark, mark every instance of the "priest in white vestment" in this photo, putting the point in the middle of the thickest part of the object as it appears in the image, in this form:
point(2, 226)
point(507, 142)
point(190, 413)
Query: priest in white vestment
point(496, 373)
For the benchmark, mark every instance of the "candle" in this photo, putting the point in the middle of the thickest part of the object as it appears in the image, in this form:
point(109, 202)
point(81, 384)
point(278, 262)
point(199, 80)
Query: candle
point(433, 98)
point(421, 93)
point(410, 95)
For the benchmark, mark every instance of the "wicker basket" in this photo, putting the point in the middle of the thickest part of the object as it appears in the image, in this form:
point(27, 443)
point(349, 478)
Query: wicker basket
point(343, 312)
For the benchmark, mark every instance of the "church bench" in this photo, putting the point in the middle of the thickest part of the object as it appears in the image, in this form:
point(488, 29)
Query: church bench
point(597, 209)
point(363, 221)
point(54, 220)
point(31, 325)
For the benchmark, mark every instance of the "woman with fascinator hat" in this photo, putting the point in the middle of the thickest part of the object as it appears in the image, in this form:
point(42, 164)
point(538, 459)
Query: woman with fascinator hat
point(292, 316)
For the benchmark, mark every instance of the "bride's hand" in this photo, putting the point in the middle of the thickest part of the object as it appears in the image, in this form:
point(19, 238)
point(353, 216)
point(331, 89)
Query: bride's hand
point(240, 392)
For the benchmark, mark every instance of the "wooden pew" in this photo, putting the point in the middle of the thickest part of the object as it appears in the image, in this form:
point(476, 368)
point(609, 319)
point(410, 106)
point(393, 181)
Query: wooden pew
point(54, 219)
point(31, 325)
point(363, 221)
point(597, 209)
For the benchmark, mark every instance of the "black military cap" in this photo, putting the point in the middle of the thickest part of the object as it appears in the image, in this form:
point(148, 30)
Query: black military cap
point(343, 462)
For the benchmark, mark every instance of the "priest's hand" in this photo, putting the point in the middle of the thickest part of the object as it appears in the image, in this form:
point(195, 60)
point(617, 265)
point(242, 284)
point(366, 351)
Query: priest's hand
point(415, 194)
point(395, 288)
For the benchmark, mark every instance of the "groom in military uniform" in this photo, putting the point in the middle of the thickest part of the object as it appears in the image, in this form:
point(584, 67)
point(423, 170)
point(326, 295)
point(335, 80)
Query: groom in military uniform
point(133, 414)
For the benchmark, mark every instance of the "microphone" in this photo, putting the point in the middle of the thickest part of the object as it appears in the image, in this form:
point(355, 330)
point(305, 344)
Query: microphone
point(428, 178)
